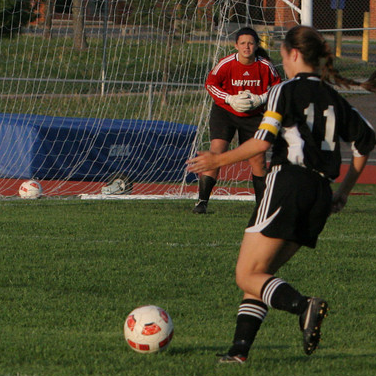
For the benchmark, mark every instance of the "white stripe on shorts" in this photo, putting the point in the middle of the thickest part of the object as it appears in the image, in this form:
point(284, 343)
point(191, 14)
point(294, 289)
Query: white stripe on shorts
point(262, 219)
point(265, 203)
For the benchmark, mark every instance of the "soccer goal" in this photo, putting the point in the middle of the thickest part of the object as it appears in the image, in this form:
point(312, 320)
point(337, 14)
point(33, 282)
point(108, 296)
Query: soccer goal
point(107, 97)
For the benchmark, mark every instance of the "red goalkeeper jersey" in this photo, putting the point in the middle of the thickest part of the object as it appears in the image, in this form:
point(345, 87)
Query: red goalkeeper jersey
point(230, 76)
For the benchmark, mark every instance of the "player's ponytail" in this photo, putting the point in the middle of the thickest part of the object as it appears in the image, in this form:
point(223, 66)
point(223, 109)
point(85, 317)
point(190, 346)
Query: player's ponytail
point(317, 53)
point(370, 84)
point(332, 75)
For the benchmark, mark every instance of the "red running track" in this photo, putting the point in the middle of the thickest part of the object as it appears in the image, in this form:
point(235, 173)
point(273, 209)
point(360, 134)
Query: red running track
point(241, 171)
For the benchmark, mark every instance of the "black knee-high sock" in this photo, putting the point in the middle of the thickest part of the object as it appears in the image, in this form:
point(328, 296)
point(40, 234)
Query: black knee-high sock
point(251, 314)
point(206, 184)
point(259, 187)
point(279, 294)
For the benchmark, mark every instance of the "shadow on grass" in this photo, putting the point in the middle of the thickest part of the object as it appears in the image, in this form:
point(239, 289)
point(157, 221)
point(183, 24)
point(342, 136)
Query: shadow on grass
point(179, 350)
point(321, 354)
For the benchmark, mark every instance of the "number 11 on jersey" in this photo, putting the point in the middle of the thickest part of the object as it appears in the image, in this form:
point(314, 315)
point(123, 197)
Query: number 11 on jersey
point(328, 143)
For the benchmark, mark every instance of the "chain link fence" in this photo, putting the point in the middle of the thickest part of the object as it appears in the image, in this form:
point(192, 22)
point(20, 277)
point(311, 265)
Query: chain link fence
point(350, 26)
point(32, 66)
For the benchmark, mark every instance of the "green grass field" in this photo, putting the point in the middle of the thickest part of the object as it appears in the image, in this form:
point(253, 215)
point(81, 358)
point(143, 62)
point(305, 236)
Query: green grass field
point(71, 271)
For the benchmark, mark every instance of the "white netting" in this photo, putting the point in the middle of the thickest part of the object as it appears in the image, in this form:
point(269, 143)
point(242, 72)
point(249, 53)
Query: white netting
point(93, 90)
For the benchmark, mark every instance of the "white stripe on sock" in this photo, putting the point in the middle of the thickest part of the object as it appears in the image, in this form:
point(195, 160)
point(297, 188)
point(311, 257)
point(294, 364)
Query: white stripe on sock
point(270, 289)
point(252, 310)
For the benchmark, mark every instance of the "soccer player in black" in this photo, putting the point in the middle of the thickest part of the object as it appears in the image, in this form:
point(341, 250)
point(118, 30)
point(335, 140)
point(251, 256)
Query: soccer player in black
point(304, 121)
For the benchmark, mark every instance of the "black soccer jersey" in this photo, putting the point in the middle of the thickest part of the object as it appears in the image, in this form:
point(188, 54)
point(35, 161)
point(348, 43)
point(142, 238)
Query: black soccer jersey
point(305, 120)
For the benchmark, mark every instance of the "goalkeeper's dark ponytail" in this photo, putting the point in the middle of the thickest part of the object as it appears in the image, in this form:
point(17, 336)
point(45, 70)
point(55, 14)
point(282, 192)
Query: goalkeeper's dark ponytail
point(261, 52)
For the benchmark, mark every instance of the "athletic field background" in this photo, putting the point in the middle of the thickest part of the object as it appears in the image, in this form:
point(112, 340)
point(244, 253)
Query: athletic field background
point(71, 270)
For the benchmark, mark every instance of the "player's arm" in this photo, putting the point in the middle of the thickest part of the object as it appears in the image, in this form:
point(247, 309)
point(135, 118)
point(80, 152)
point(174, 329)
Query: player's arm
point(207, 160)
point(260, 143)
point(213, 86)
point(216, 79)
point(340, 195)
point(362, 136)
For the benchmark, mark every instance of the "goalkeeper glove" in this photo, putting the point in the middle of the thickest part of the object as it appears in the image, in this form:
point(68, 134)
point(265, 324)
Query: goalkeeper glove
point(256, 100)
point(240, 102)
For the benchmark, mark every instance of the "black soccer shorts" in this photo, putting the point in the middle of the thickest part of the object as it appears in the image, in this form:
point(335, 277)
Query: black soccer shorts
point(223, 125)
point(295, 205)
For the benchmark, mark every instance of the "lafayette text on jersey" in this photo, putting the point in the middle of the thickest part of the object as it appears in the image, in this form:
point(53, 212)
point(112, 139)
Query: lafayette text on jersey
point(230, 76)
point(306, 118)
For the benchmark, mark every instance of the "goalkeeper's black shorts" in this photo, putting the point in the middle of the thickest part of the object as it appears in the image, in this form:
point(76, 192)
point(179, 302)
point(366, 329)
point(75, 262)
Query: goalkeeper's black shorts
point(223, 125)
point(295, 205)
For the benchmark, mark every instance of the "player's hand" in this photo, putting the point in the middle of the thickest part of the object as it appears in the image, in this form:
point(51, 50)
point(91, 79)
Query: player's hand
point(338, 202)
point(256, 100)
point(240, 102)
point(248, 92)
point(205, 161)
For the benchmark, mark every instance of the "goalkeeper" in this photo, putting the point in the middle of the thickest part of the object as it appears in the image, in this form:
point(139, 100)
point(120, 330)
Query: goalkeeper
point(239, 85)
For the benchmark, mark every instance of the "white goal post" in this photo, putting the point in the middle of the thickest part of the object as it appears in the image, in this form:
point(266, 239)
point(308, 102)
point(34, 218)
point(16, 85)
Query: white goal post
point(305, 11)
point(94, 91)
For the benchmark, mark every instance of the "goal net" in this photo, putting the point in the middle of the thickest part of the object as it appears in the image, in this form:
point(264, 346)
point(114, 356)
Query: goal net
point(96, 93)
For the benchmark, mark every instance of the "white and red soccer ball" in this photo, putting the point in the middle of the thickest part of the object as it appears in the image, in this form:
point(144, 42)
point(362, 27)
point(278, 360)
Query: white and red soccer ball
point(148, 329)
point(30, 189)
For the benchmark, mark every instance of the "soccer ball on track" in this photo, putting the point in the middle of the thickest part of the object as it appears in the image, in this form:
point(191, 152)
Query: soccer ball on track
point(30, 189)
point(148, 329)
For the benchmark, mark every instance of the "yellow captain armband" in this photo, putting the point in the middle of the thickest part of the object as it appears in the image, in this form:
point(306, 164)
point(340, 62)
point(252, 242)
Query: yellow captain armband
point(271, 122)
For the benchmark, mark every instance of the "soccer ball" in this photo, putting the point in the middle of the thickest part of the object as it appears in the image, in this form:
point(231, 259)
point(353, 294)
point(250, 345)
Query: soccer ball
point(30, 189)
point(148, 329)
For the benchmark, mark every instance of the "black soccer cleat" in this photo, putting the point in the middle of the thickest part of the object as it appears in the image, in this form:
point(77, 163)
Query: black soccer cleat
point(200, 207)
point(310, 323)
point(226, 358)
